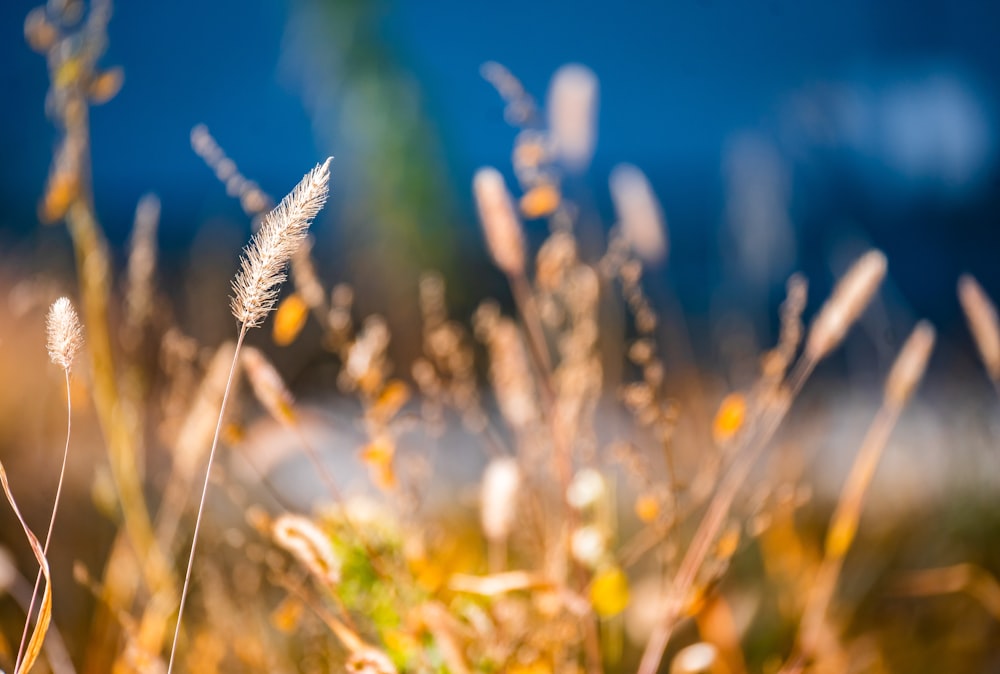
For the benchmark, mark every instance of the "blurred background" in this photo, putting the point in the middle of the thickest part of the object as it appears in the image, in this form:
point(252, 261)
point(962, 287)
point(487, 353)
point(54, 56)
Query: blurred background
point(778, 135)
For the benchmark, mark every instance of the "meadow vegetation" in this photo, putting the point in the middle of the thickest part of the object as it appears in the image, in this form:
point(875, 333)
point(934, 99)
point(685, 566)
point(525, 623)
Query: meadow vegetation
point(615, 525)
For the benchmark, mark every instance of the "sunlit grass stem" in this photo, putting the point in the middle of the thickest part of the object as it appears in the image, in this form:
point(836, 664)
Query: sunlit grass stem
point(255, 292)
point(64, 339)
point(204, 493)
point(52, 521)
point(851, 295)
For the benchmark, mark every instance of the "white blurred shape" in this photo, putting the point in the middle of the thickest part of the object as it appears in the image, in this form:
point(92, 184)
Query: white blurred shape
point(639, 212)
point(934, 130)
point(572, 112)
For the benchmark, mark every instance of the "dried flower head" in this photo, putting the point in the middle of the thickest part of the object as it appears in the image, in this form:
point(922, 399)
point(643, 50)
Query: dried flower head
point(849, 299)
point(262, 269)
point(981, 315)
point(910, 365)
point(65, 336)
point(504, 237)
point(639, 213)
point(572, 112)
point(308, 544)
point(498, 499)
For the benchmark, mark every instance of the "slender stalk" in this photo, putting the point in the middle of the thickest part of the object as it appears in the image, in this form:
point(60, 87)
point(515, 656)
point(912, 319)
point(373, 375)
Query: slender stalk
point(52, 521)
point(715, 517)
point(204, 492)
point(843, 527)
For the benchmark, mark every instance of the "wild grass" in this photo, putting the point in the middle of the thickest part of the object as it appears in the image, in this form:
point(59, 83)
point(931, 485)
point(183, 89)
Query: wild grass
point(611, 518)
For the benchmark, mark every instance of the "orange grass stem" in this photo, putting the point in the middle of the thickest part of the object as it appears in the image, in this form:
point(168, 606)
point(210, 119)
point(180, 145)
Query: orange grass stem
point(843, 528)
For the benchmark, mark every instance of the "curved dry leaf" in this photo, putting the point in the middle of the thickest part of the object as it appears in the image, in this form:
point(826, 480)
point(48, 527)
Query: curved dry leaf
point(45, 612)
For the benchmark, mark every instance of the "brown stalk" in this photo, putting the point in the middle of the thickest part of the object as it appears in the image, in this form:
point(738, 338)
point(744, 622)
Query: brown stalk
point(850, 296)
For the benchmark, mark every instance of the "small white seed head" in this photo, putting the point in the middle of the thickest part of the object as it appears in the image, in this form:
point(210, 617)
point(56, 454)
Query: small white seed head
point(588, 544)
point(65, 336)
point(586, 489)
point(699, 658)
point(498, 498)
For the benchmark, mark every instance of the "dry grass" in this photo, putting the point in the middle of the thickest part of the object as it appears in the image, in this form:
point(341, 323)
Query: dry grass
point(609, 512)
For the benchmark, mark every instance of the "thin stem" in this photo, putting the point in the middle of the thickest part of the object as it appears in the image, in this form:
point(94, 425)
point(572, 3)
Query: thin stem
point(843, 527)
point(52, 521)
point(204, 493)
point(715, 516)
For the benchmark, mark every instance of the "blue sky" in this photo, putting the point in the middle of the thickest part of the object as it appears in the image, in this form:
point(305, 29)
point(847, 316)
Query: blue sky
point(679, 79)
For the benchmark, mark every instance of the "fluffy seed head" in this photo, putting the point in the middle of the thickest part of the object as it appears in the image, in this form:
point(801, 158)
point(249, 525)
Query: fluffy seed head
point(498, 499)
point(910, 365)
point(572, 108)
point(849, 299)
point(504, 237)
point(262, 268)
point(65, 336)
point(981, 315)
point(639, 213)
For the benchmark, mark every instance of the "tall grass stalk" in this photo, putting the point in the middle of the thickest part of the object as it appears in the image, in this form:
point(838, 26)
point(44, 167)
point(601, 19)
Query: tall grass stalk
point(848, 301)
point(255, 292)
point(903, 379)
point(64, 340)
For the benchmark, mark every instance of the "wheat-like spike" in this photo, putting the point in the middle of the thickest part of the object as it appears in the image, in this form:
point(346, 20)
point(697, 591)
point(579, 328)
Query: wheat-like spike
point(65, 336)
point(504, 237)
point(850, 297)
point(910, 365)
point(981, 315)
point(262, 267)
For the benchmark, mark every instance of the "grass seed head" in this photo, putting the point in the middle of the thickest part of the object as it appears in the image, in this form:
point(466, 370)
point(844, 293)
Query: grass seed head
point(498, 499)
point(504, 236)
point(981, 314)
point(849, 299)
point(572, 112)
point(639, 212)
point(262, 268)
point(65, 336)
point(908, 370)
